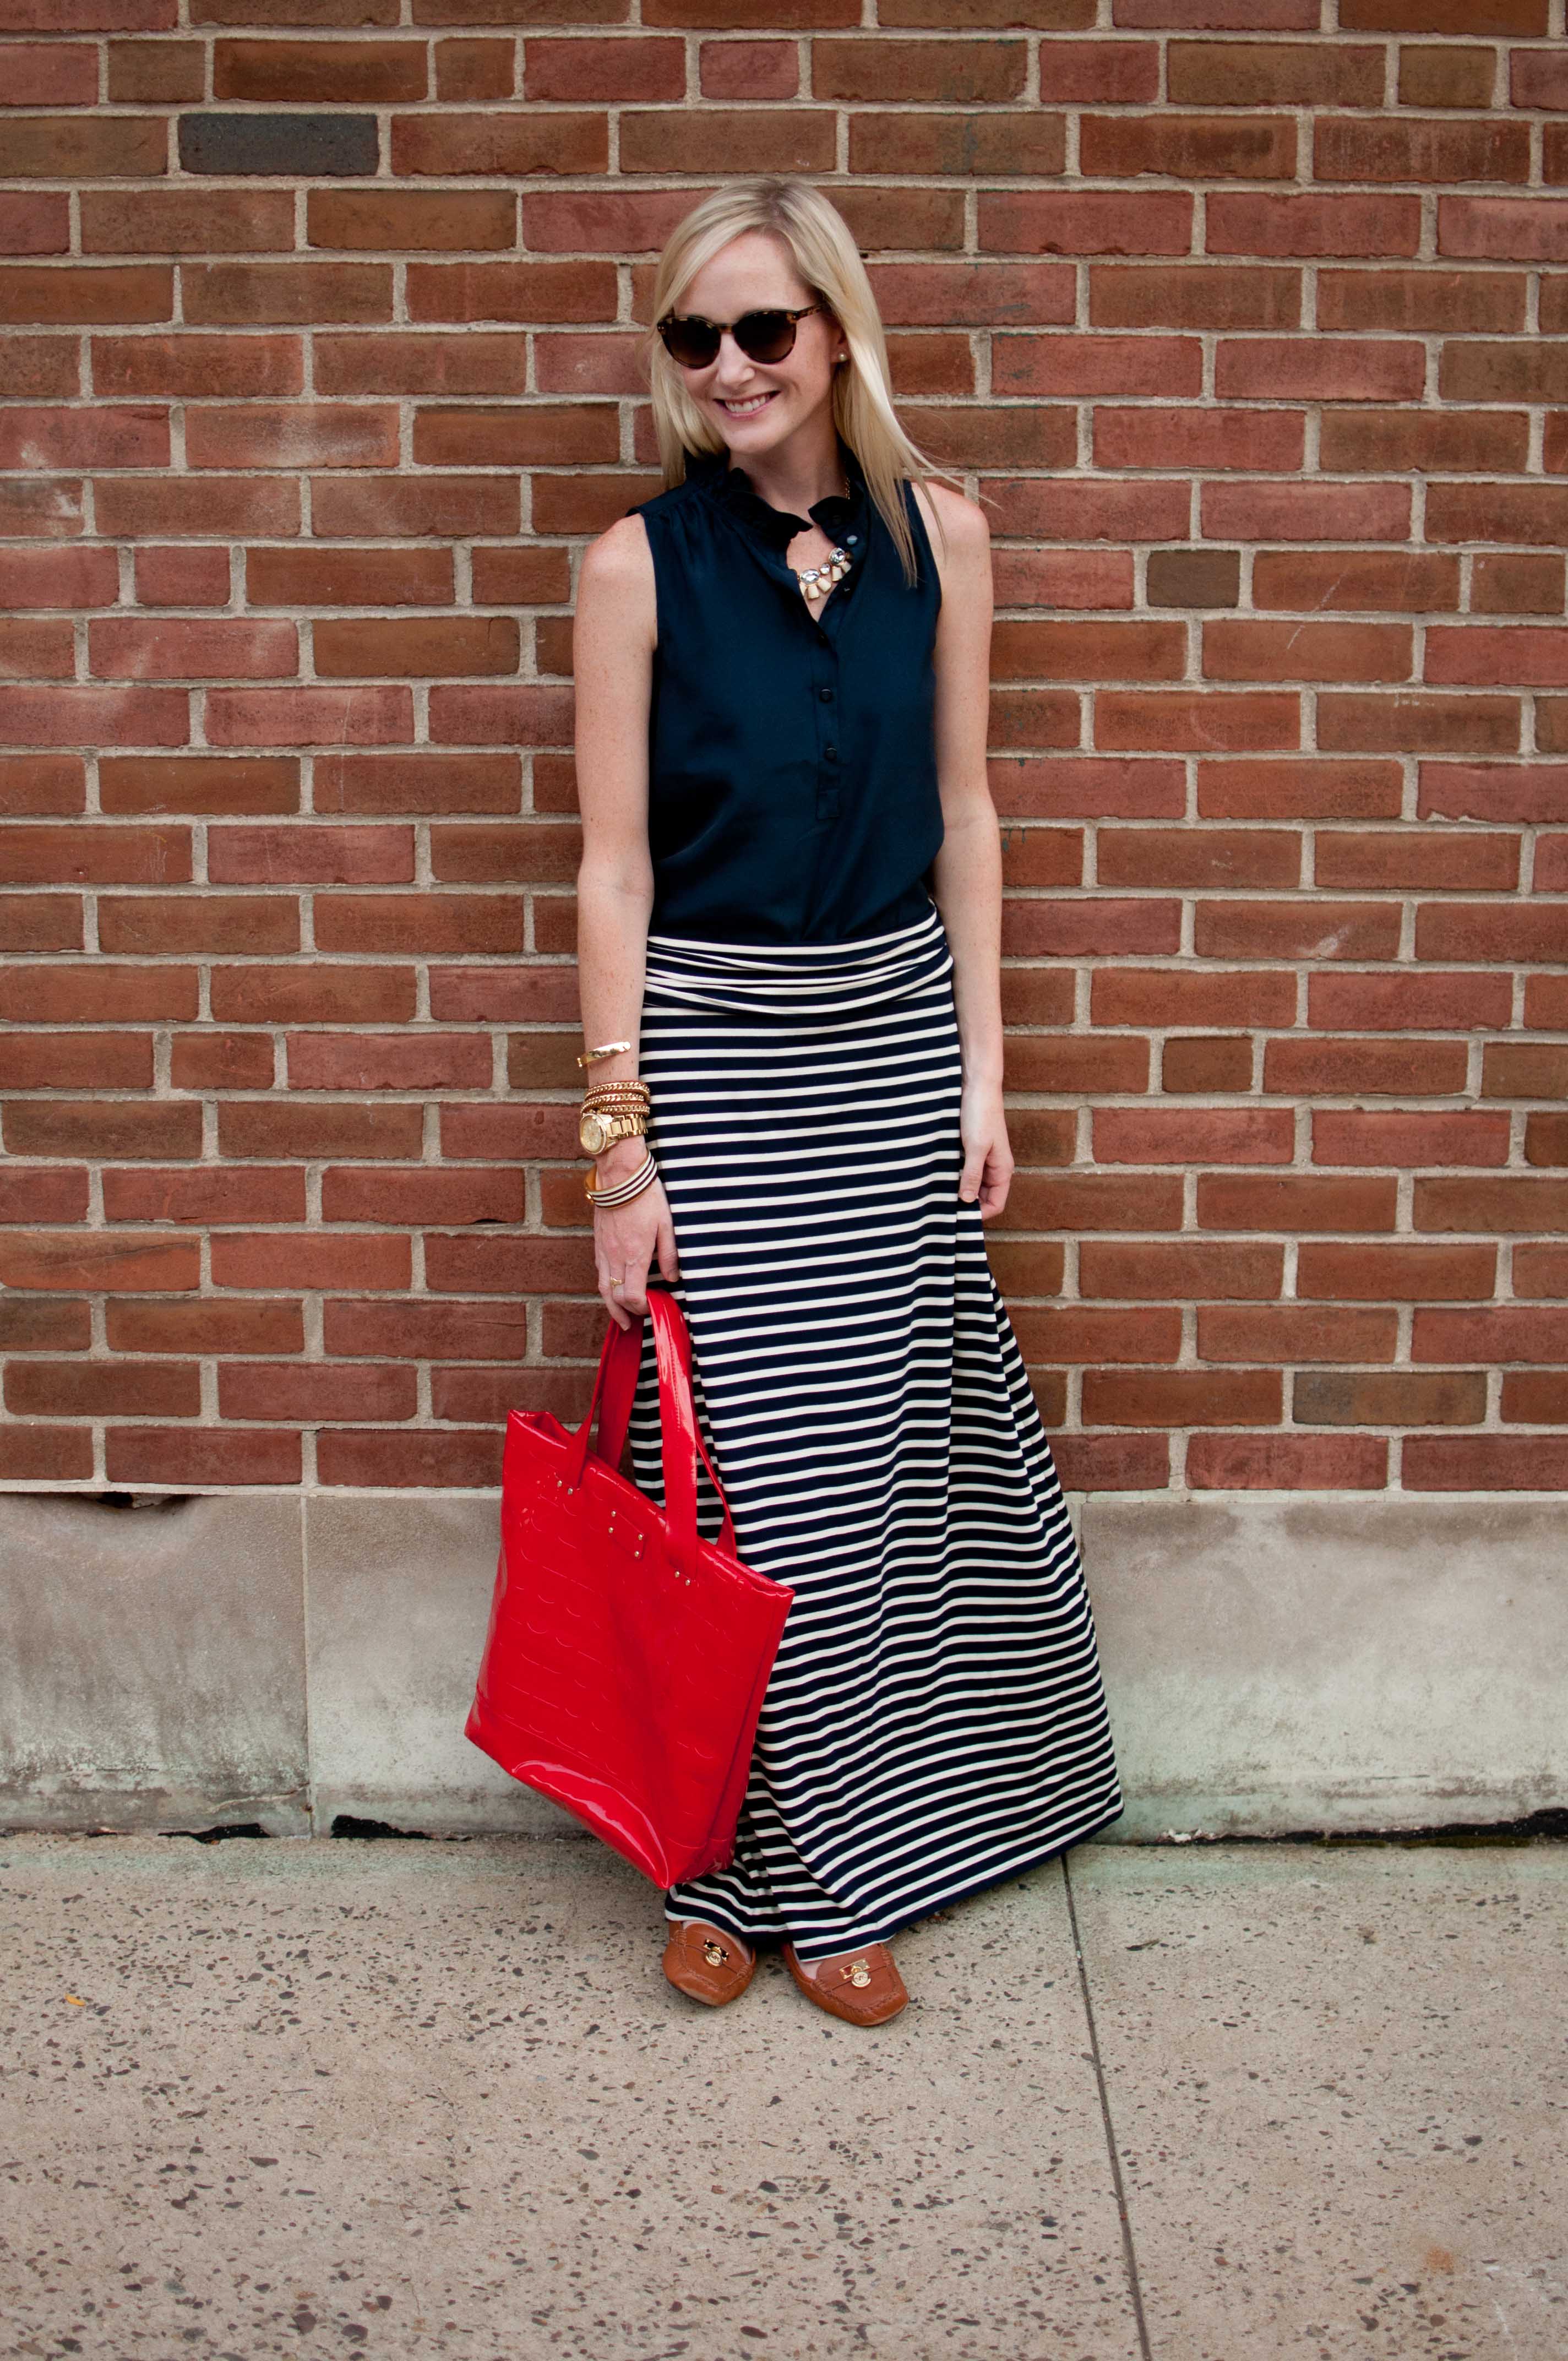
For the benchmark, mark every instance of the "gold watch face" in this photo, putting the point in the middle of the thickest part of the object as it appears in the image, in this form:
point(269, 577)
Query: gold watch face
point(592, 1134)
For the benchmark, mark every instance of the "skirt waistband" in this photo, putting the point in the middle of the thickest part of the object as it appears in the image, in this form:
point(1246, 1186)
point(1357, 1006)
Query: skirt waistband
point(766, 978)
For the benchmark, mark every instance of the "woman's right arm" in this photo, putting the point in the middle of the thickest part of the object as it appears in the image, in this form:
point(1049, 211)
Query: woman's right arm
point(613, 644)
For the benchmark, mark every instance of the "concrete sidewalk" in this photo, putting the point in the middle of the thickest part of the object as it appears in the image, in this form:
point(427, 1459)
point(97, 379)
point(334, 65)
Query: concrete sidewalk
point(1207, 2103)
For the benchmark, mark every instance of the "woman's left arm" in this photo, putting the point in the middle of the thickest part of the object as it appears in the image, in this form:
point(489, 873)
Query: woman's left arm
point(967, 877)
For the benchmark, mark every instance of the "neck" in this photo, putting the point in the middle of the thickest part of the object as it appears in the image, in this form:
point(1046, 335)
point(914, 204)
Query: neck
point(801, 471)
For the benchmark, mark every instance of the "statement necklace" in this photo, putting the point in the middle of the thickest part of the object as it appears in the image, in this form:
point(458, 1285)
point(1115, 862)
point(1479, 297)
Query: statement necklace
point(817, 580)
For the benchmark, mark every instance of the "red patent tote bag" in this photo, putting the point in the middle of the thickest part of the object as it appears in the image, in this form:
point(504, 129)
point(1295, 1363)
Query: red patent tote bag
point(627, 1658)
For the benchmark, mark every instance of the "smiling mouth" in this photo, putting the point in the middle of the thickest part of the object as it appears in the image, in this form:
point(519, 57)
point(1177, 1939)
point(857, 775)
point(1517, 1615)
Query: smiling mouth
point(747, 409)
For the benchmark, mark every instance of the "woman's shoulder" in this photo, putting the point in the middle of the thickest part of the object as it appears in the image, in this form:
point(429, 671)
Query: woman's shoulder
point(960, 521)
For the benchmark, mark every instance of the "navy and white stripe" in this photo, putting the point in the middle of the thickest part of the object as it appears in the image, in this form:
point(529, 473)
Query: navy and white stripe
point(935, 1719)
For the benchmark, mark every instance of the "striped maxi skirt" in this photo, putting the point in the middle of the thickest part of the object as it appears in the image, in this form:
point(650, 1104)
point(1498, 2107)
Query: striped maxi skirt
point(935, 1721)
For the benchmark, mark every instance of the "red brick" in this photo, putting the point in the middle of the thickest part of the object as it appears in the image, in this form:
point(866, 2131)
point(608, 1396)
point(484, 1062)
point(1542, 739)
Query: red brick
point(1493, 791)
point(40, 922)
point(1329, 1068)
point(291, 1262)
point(1294, 1201)
point(198, 782)
point(1072, 1333)
point(205, 1327)
point(1481, 1463)
point(1527, 513)
point(97, 856)
point(1503, 932)
point(31, 649)
point(604, 69)
point(1526, 655)
point(1419, 861)
point(544, 990)
point(301, 1393)
point(1198, 857)
point(1188, 147)
point(1193, 1134)
point(176, 1456)
point(144, 73)
point(1413, 722)
point(1169, 1397)
point(973, 294)
point(507, 143)
point(411, 220)
point(43, 1192)
point(348, 73)
point(1503, 1331)
point(1061, 928)
point(129, 647)
point(421, 1331)
point(1419, 302)
point(356, 715)
point(1159, 996)
point(1305, 787)
point(1411, 1002)
point(1169, 1271)
point(1076, 1201)
point(1086, 222)
point(1193, 295)
point(1149, 719)
point(50, 74)
point(1068, 364)
point(197, 364)
point(45, 1453)
point(41, 785)
point(310, 1129)
point(527, 291)
point(1305, 511)
point(203, 1194)
point(750, 70)
point(44, 1324)
point(486, 68)
point(513, 852)
point(302, 434)
point(421, 1195)
point(262, 295)
point(1509, 1204)
point(1539, 1400)
point(1395, 1274)
point(1273, 73)
point(301, 994)
point(1546, 1002)
point(1318, 369)
point(408, 1061)
point(1541, 1270)
point(1073, 1063)
point(1416, 147)
point(1307, 929)
point(1199, 439)
point(96, 992)
point(180, 576)
point(1112, 1463)
point(97, 1389)
point(956, 143)
point(1503, 229)
point(1406, 1140)
point(418, 782)
point(1294, 1332)
point(418, 925)
point(1518, 582)
point(146, 923)
point(500, 716)
point(1284, 1462)
point(1261, 223)
point(311, 854)
point(348, 1457)
point(79, 1259)
point(1244, 650)
point(1059, 510)
point(75, 1061)
point(1357, 581)
point(507, 1133)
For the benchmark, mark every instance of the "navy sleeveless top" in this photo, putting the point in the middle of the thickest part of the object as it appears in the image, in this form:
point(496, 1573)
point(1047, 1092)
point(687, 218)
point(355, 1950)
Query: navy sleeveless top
point(792, 768)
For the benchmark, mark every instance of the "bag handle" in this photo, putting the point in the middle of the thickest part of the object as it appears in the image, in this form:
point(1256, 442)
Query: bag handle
point(681, 1443)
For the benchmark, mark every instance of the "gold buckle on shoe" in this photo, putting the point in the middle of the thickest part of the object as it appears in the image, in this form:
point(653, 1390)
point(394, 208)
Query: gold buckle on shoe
point(714, 1953)
point(859, 1973)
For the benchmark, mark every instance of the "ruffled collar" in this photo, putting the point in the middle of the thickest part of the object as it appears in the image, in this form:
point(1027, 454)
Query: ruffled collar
point(733, 488)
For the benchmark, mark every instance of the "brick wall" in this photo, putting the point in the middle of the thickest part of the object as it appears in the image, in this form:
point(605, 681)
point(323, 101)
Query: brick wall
point(1249, 323)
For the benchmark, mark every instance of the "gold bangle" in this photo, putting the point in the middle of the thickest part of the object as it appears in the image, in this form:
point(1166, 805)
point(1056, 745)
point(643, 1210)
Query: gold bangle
point(606, 1049)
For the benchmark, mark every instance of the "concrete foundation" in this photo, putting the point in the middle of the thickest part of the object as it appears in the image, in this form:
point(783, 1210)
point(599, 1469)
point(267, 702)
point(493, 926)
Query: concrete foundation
point(1275, 1662)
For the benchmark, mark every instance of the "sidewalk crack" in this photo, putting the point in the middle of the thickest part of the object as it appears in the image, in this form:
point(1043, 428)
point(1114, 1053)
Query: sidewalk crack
point(1129, 2251)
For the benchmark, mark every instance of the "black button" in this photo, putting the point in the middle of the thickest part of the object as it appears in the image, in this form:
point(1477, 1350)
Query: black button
point(825, 695)
point(829, 754)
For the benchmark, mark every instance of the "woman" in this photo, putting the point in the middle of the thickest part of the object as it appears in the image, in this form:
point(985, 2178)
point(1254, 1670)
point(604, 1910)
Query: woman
point(782, 667)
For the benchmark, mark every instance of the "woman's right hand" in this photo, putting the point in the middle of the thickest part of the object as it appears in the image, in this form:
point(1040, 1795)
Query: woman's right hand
point(628, 1239)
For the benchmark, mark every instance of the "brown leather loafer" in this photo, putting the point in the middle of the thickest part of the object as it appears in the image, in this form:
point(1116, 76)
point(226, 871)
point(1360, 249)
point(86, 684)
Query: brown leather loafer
point(707, 1963)
point(864, 1987)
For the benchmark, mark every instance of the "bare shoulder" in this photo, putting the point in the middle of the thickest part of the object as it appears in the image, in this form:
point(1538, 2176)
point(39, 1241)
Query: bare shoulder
point(620, 563)
point(960, 532)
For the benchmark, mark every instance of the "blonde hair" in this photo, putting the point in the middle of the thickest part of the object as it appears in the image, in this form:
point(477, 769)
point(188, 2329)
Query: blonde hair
point(829, 264)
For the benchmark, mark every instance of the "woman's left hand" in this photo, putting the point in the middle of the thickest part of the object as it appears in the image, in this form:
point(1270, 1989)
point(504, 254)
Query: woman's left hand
point(988, 1159)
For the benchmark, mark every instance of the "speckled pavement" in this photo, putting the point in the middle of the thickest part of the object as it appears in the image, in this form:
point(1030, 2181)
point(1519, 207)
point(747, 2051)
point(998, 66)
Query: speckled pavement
point(406, 2097)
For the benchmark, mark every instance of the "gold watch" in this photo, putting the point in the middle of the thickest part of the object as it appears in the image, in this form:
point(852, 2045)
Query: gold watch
point(600, 1127)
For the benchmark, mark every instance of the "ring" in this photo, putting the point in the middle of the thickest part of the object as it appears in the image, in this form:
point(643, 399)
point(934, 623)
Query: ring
point(615, 1285)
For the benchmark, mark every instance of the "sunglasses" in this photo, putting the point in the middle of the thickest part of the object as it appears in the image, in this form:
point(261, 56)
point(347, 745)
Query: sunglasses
point(693, 342)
